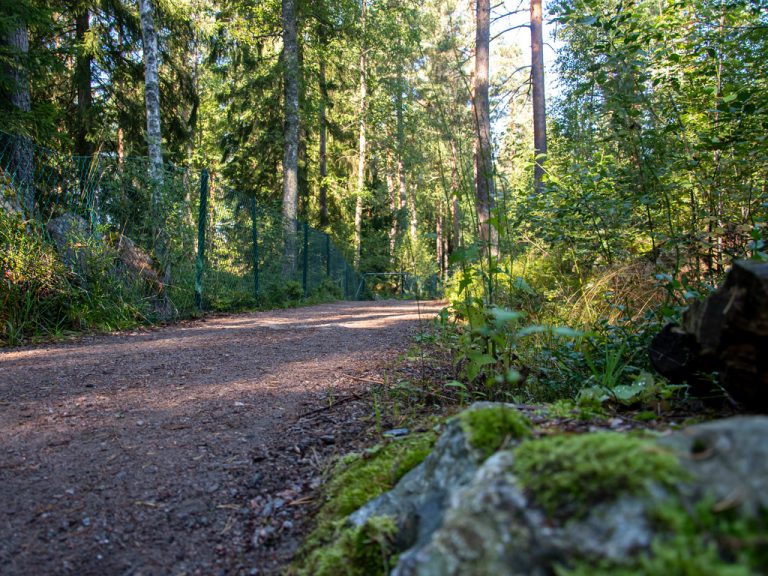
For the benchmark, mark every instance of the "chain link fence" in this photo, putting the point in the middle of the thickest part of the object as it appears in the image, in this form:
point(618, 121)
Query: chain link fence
point(189, 241)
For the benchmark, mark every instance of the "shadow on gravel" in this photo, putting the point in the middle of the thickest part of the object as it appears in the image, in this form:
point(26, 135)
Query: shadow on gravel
point(154, 452)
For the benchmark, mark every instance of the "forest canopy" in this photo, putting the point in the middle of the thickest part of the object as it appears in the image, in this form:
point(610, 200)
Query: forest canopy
point(419, 134)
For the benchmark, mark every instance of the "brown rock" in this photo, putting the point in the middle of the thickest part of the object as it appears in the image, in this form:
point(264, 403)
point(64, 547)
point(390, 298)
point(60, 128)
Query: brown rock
point(728, 333)
point(136, 261)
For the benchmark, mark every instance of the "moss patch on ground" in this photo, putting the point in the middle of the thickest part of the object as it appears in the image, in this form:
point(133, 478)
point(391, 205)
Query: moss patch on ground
point(335, 548)
point(567, 475)
point(488, 428)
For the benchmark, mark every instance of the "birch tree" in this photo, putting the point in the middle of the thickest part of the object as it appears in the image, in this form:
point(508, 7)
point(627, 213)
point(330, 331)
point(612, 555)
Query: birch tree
point(154, 142)
point(290, 133)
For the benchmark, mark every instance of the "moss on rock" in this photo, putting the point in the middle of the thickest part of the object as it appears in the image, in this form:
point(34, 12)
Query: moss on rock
point(356, 551)
point(363, 476)
point(569, 474)
point(356, 479)
point(488, 427)
point(698, 542)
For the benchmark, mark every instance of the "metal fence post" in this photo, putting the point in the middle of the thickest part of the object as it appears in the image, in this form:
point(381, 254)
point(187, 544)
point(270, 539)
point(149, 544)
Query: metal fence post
point(346, 280)
point(201, 222)
point(255, 240)
point(305, 259)
point(327, 255)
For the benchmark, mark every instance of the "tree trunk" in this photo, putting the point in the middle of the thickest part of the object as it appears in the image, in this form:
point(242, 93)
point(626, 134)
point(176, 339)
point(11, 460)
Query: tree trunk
point(362, 145)
point(394, 208)
point(405, 197)
point(152, 97)
point(439, 245)
point(154, 142)
point(455, 206)
point(120, 145)
point(20, 163)
point(290, 134)
point(483, 149)
point(323, 129)
point(83, 84)
point(412, 217)
point(539, 103)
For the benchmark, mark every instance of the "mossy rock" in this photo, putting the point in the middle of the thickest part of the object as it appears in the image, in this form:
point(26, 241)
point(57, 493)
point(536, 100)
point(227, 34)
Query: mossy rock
point(334, 546)
point(698, 541)
point(362, 476)
point(489, 427)
point(568, 475)
point(364, 550)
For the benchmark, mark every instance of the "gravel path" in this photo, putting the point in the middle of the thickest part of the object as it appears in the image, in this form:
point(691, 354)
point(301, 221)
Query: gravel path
point(184, 449)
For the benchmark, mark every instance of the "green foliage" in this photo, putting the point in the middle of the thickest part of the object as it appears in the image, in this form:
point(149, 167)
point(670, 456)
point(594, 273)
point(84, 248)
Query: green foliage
point(489, 428)
point(41, 297)
point(568, 475)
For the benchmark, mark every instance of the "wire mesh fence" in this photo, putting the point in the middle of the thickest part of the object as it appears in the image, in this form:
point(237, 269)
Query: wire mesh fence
point(190, 241)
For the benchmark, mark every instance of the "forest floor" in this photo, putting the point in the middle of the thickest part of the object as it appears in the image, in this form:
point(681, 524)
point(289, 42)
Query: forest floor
point(186, 449)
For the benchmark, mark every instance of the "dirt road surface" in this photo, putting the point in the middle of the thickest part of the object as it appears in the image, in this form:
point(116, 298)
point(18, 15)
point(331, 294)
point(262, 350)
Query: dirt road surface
point(186, 449)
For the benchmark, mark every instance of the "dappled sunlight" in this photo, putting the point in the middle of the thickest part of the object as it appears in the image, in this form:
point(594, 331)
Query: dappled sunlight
point(165, 427)
point(228, 363)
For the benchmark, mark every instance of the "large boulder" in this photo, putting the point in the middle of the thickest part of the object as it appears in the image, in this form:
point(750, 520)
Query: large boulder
point(418, 501)
point(691, 502)
point(136, 263)
point(70, 234)
point(725, 333)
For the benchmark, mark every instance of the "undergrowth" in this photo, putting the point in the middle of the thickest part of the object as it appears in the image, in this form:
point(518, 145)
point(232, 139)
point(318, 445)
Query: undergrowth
point(43, 296)
point(47, 293)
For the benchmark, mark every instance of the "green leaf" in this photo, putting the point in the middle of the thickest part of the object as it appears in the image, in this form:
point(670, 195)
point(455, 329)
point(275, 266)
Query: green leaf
point(502, 315)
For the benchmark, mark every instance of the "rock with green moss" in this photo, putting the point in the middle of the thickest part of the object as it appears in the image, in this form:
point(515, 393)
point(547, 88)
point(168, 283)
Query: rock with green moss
point(569, 474)
point(357, 478)
point(418, 501)
point(488, 426)
point(727, 459)
point(355, 551)
point(691, 503)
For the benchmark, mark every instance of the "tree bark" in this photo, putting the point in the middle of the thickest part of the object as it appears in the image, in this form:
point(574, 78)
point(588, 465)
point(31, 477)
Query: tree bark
point(18, 100)
point(439, 244)
point(405, 197)
point(361, 145)
point(154, 142)
point(290, 134)
point(412, 217)
point(152, 96)
point(394, 208)
point(83, 84)
point(539, 103)
point(483, 145)
point(323, 135)
point(455, 206)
